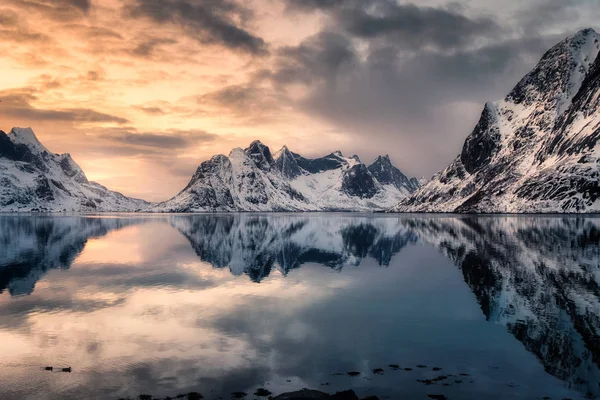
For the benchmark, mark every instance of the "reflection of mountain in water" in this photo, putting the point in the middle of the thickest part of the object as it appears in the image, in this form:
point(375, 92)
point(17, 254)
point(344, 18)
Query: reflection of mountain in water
point(539, 277)
point(255, 244)
point(32, 245)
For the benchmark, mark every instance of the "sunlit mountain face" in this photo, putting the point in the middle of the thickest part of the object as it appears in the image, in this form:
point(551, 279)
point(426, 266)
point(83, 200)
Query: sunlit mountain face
point(222, 303)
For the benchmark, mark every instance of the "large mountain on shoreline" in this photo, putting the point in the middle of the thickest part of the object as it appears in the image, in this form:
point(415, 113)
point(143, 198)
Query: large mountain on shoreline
point(254, 179)
point(536, 151)
point(34, 179)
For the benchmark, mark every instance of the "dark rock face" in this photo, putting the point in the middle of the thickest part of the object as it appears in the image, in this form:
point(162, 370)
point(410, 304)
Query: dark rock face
point(314, 166)
point(358, 181)
point(16, 152)
point(261, 155)
point(207, 195)
point(383, 170)
point(483, 143)
point(43, 189)
point(287, 165)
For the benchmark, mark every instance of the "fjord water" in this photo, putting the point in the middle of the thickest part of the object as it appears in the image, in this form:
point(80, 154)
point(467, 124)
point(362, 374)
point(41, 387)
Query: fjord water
point(506, 307)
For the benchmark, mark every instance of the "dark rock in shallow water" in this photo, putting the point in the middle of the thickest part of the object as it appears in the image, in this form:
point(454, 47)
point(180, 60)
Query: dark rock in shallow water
point(194, 396)
point(378, 371)
point(262, 392)
point(437, 397)
point(354, 373)
point(304, 394)
point(345, 395)
point(239, 395)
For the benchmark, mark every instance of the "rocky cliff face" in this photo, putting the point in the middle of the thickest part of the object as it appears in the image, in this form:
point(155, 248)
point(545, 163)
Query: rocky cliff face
point(34, 179)
point(253, 179)
point(535, 151)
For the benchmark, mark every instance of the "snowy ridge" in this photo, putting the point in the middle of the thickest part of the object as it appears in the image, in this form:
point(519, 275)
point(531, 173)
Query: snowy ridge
point(535, 151)
point(252, 179)
point(34, 179)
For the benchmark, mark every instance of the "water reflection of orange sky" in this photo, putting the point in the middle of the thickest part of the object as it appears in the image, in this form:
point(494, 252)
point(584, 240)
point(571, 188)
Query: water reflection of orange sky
point(98, 324)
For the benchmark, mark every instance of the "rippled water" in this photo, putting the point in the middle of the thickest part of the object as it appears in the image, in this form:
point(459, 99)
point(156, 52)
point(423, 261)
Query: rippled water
point(216, 304)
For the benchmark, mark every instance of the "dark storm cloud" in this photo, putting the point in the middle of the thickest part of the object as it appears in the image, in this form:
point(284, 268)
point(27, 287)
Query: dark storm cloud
point(322, 56)
point(17, 103)
point(208, 21)
point(407, 24)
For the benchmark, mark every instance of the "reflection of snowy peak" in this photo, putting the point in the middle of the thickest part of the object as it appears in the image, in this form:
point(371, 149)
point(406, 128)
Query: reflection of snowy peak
point(256, 180)
point(535, 151)
point(539, 277)
point(256, 244)
point(34, 179)
point(31, 246)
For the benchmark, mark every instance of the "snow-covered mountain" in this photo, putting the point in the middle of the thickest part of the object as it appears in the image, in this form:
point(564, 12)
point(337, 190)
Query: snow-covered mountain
point(254, 179)
point(535, 151)
point(34, 179)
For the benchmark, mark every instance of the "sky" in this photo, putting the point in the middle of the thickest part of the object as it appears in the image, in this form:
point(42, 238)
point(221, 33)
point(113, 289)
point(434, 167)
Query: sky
point(140, 92)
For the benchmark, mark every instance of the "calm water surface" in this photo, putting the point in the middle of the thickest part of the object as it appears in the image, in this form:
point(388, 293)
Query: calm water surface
point(170, 304)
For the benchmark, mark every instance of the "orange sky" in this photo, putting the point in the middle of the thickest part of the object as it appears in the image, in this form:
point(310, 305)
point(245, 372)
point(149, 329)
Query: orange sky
point(140, 93)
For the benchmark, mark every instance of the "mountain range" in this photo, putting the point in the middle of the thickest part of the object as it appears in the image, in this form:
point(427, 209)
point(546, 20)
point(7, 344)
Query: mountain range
point(252, 179)
point(535, 151)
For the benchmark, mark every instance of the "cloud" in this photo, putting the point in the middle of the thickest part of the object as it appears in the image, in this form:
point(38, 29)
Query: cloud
point(8, 17)
point(210, 22)
point(174, 139)
point(17, 103)
point(407, 25)
point(59, 10)
point(147, 47)
point(151, 110)
point(322, 56)
point(249, 103)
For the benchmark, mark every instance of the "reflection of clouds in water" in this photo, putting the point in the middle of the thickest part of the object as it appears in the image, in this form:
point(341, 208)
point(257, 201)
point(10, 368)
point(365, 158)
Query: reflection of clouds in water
point(165, 319)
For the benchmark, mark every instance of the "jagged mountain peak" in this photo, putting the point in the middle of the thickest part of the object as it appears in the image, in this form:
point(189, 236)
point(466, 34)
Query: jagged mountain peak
point(386, 173)
point(284, 150)
point(27, 137)
point(260, 154)
point(558, 76)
